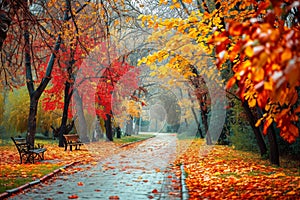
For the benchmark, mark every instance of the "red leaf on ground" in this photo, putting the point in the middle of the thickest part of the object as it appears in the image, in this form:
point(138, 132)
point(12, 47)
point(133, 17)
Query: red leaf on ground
point(154, 191)
point(114, 197)
point(74, 196)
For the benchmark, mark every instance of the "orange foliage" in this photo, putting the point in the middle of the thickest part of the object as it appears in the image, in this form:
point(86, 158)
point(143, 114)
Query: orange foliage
point(264, 52)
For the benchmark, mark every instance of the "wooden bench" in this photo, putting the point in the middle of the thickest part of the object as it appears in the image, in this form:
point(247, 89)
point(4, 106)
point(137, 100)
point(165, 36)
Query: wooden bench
point(28, 154)
point(72, 140)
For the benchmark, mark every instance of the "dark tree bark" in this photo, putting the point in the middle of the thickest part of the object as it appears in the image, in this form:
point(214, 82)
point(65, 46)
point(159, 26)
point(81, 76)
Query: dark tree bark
point(67, 99)
point(68, 92)
point(204, 113)
point(5, 20)
point(36, 94)
point(118, 129)
point(258, 135)
point(274, 151)
point(273, 145)
point(197, 81)
point(199, 131)
point(108, 128)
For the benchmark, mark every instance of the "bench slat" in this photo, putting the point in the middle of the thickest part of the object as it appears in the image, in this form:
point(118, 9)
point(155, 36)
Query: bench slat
point(72, 140)
point(26, 153)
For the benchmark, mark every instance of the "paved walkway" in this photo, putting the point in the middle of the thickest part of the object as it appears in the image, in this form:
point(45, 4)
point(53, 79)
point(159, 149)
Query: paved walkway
point(142, 172)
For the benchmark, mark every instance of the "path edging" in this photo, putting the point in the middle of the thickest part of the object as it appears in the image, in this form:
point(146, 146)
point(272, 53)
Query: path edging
point(184, 190)
point(10, 192)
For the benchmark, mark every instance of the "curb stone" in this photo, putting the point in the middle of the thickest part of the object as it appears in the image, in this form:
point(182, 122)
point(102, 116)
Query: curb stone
point(184, 190)
point(10, 192)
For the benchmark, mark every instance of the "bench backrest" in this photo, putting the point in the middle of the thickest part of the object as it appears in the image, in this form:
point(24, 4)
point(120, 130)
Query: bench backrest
point(72, 137)
point(21, 144)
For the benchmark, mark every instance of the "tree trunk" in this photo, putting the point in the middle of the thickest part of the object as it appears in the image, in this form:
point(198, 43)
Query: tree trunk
point(31, 129)
point(258, 135)
point(129, 126)
point(36, 94)
point(108, 128)
point(274, 152)
point(118, 132)
point(205, 123)
point(199, 131)
point(81, 118)
point(67, 99)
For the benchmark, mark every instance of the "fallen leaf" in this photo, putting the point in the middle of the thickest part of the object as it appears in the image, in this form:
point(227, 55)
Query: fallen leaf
point(154, 191)
point(114, 197)
point(80, 184)
point(74, 196)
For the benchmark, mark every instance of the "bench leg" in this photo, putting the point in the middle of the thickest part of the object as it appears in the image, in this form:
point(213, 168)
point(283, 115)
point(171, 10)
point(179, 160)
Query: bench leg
point(30, 158)
point(41, 155)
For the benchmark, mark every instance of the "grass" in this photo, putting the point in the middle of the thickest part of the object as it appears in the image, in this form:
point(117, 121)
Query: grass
point(12, 177)
point(132, 138)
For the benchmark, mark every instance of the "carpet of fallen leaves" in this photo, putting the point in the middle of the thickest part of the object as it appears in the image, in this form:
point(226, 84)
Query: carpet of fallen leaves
point(220, 172)
point(14, 174)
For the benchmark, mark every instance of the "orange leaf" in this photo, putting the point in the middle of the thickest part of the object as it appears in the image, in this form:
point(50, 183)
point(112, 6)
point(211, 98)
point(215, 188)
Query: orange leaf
point(236, 29)
point(297, 110)
point(80, 183)
point(286, 55)
point(249, 51)
point(294, 130)
point(154, 191)
point(267, 123)
point(114, 197)
point(230, 83)
point(74, 196)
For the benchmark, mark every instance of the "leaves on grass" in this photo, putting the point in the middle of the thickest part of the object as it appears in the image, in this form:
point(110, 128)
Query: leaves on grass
point(55, 157)
point(225, 172)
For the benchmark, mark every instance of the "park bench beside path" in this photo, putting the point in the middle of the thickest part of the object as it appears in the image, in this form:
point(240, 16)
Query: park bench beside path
point(26, 152)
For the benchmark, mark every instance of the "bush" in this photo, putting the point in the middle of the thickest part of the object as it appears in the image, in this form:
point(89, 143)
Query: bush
point(243, 138)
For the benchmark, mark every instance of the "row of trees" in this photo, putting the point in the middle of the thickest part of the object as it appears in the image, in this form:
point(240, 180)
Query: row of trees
point(88, 49)
point(77, 46)
point(255, 47)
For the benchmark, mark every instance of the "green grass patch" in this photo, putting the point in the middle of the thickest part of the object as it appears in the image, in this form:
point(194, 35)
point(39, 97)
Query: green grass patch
point(12, 177)
point(225, 175)
point(259, 173)
point(132, 138)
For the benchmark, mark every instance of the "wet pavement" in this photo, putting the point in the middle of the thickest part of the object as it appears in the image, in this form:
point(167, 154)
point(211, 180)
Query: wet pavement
point(141, 172)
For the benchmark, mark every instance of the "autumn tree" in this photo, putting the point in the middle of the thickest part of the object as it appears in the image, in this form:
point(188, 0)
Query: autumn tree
point(257, 40)
point(264, 56)
point(35, 33)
